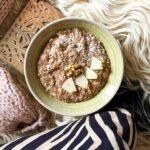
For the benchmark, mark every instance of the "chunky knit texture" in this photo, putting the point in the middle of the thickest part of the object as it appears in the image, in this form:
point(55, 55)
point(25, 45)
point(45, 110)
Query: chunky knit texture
point(19, 112)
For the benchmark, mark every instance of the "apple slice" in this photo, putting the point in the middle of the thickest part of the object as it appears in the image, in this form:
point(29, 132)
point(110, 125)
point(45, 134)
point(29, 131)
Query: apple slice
point(96, 64)
point(81, 81)
point(69, 86)
point(90, 74)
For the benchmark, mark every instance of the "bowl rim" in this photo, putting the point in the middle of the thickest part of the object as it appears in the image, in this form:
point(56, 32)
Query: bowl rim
point(99, 25)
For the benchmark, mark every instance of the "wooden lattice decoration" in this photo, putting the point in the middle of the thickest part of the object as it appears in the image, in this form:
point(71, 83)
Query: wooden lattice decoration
point(34, 16)
point(5, 6)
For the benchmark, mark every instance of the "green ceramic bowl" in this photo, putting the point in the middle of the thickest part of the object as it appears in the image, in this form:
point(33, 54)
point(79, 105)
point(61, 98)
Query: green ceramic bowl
point(82, 108)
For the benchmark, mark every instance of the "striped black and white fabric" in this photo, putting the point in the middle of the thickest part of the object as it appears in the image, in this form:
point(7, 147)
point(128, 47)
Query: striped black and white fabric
point(111, 130)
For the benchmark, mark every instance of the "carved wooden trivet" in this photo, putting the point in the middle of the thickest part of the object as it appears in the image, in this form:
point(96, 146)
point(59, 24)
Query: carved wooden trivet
point(33, 17)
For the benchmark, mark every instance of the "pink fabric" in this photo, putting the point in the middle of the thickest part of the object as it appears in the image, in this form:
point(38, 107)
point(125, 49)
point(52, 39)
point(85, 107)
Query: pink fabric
point(5, 6)
point(18, 111)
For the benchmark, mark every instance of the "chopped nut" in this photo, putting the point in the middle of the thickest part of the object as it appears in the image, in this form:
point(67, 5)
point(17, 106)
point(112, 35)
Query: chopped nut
point(73, 70)
point(69, 74)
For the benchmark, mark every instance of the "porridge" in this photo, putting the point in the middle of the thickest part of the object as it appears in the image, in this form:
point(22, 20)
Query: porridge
point(74, 66)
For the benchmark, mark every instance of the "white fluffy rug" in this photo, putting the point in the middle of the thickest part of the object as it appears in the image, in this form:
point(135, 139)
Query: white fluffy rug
point(129, 22)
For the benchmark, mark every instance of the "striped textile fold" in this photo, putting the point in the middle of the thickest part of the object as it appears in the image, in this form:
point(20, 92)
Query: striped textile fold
point(103, 131)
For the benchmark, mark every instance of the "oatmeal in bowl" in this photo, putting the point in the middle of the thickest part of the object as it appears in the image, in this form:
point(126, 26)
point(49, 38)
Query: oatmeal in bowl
point(74, 65)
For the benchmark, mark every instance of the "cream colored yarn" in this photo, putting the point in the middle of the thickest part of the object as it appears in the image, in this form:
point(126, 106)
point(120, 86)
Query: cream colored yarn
point(129, 22)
